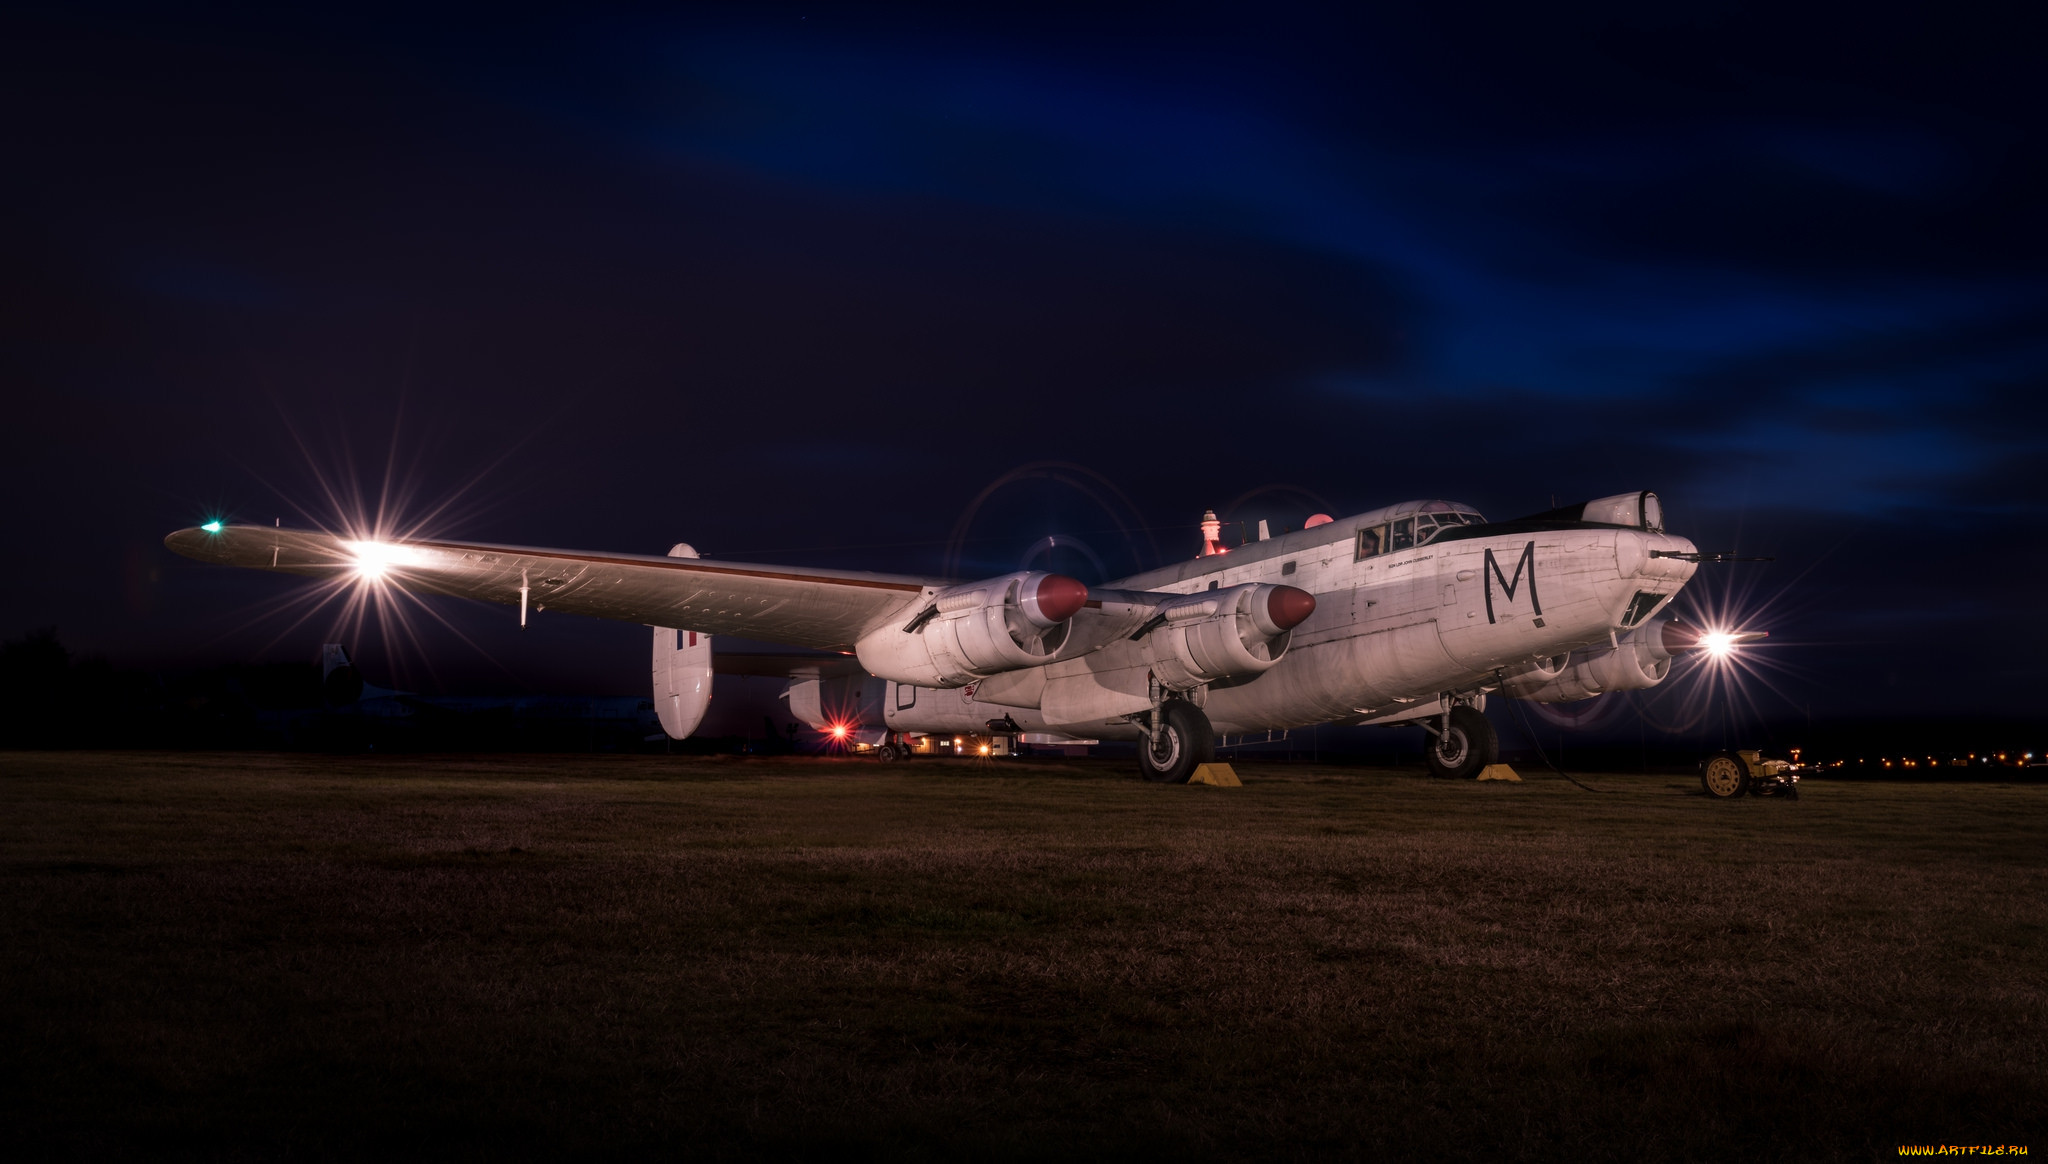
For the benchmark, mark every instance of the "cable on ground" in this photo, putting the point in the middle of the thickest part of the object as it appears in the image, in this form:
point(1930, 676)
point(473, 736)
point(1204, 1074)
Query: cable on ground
point(1523, 716)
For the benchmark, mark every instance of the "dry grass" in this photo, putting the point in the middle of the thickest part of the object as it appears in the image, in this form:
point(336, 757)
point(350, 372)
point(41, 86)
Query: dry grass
point(260, 956)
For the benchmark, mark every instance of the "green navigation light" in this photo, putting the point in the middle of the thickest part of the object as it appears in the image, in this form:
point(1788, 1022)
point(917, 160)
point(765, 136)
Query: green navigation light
point(211, 527)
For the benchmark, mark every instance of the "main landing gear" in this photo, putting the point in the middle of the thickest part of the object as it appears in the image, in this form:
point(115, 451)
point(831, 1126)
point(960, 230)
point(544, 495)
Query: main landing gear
point(1180, 739)
point(1460, 743)
point(895, 746)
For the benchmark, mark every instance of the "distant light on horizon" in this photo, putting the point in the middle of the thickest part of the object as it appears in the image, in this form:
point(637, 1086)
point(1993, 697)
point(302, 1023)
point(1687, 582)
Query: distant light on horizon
point(213, 526)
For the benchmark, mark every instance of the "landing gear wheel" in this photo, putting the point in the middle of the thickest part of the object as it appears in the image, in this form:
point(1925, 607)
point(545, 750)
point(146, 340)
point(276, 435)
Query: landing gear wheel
point(1182, 740)
point(888, 754)
point(1724, 776)
point(1469, 745)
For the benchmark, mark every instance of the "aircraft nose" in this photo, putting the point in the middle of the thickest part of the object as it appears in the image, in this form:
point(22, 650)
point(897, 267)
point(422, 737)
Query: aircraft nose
point(1648, 555)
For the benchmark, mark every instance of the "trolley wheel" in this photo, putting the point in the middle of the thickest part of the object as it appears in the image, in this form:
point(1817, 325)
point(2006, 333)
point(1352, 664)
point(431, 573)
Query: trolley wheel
point(1724, 776)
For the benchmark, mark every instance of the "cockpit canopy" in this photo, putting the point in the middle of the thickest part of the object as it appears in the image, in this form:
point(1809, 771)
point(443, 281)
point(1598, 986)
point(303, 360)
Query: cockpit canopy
point(1431, 519)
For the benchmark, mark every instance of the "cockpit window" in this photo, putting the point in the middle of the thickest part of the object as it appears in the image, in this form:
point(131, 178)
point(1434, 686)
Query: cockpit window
point(1431, 524)
point(1371, 540)
point(1411, 532)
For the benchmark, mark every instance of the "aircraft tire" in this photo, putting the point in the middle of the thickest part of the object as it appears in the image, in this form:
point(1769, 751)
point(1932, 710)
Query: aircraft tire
point(888, 754)
point(1469, 745)
point(1184, 739)
point(1724, 776)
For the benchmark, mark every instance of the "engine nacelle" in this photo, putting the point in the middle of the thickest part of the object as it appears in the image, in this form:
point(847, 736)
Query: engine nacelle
point(1641, 661)
point(1224, 634)
point(682, 672)
point(845, 710)
point(978, 629)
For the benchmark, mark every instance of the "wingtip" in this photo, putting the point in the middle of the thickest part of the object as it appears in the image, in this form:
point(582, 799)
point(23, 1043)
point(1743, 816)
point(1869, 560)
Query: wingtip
point(189, 543)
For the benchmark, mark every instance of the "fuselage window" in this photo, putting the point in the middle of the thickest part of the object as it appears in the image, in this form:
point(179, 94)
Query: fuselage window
point(1403, 536)
point(1371, 541)
point(1288, 568)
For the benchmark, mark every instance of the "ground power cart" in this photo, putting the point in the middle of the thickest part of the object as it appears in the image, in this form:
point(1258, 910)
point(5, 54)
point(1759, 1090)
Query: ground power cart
point(1727, 775)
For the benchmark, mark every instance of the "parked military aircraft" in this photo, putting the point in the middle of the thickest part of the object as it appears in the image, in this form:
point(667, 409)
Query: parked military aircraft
point(1412, 613)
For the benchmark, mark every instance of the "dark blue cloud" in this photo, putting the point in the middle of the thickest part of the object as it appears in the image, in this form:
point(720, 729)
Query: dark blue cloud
point(1735, 262)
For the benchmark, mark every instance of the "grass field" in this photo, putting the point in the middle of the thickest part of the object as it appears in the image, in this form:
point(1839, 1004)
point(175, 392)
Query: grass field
point(481, 957)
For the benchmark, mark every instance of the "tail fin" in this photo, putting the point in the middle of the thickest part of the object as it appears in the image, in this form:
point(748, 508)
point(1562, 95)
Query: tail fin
point(340, 683)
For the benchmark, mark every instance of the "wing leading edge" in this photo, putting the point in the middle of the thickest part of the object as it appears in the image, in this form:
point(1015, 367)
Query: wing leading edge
point(822, 609)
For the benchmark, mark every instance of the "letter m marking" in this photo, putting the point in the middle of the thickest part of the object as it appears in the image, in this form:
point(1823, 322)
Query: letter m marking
point(1509, 585)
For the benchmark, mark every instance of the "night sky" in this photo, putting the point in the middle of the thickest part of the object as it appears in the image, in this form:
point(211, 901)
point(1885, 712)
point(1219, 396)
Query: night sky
point(799, 284)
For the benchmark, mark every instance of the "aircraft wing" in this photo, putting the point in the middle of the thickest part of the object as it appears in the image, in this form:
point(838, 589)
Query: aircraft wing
point(822, 609)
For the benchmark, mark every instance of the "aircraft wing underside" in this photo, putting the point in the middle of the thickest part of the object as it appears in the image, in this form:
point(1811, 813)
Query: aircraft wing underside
point(822, 609)
point(761, 665)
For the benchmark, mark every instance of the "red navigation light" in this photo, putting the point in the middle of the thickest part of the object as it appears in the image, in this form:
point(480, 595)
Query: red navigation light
point(838, 731)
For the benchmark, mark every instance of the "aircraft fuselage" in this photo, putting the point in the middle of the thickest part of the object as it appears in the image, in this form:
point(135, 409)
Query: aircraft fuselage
point(1394, 636)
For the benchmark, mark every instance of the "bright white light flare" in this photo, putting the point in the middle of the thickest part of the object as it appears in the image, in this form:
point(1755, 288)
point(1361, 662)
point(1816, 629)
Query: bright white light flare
point(375, 559)
point(1718, 643)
